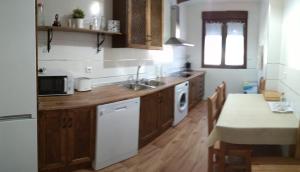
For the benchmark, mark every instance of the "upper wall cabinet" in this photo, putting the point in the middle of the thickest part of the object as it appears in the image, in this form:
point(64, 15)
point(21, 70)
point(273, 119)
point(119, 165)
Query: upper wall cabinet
point(141, 23)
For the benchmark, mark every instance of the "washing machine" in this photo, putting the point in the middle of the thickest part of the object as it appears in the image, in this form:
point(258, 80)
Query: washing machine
point(181, 102)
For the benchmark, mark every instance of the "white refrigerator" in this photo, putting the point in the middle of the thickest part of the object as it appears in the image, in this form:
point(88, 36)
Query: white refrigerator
point(18, 102)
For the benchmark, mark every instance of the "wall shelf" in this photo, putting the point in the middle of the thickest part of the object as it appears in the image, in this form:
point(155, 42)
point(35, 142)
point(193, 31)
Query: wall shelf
point(51, 29)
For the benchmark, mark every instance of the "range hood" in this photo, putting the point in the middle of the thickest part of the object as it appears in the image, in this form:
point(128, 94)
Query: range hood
point(175, 29)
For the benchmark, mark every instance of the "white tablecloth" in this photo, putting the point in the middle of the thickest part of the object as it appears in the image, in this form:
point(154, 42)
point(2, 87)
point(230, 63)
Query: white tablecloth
point(247, 119)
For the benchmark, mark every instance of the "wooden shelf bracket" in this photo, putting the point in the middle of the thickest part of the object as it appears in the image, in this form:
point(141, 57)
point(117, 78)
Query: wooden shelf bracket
point(99, 43)
point(100, 34)
point(49, 38)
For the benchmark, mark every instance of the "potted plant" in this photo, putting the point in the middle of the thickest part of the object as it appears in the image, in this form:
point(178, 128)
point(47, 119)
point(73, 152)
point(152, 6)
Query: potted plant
point(78, 16)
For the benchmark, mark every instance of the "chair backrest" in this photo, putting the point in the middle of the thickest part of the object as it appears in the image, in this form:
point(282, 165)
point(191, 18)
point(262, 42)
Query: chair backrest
point(221, 94)
point(262, 85)
point(213, 112)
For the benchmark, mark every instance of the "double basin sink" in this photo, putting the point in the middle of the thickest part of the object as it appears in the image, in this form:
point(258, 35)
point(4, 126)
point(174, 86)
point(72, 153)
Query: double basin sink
point(142, 84)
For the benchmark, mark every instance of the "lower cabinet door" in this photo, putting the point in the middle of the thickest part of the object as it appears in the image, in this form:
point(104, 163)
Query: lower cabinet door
point(202, 86)
point(81, 137)
point(52, 141)
point(149, 112)
point(192, 93)
point(196, 90)
point(166, 115)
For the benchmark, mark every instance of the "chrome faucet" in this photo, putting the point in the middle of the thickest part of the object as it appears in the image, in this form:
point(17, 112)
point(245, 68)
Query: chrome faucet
point(138, 74)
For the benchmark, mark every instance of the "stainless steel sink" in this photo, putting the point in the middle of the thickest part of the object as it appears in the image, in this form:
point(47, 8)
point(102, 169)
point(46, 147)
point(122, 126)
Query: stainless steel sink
point(143, 84)
point(136, 87)
point(152, 83)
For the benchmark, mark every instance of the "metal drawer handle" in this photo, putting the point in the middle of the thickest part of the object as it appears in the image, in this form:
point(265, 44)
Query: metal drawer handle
point(120, 108)
point(16, 117)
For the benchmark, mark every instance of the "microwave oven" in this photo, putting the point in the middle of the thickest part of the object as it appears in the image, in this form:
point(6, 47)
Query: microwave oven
point(52, 83)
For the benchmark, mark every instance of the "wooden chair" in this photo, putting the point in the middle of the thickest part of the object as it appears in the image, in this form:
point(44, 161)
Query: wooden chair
point(221, 90)
point(215, 158)
point(279, 164)
point(223, 156)
point(262, 85)
point(212, 111)
point(269, 95)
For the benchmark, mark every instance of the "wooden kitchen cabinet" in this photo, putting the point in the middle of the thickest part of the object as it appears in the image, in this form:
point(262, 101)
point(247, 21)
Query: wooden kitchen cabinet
point(166, 116)
point(81, 137)
point(196, 90)
point(66, 139)
point(141, 24)
point(156, 24)
point(149, 112)
point(156, 115)
point(52, 141)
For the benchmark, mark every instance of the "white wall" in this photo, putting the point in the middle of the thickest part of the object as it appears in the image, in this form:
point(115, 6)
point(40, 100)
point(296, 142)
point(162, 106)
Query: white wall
point(281, 34)
point(75, 51)
point(233, 77)
point(263, 36)
point(274, 44)
point(289, 75)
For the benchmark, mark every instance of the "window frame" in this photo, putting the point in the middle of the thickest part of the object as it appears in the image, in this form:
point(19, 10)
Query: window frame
point(225, 17)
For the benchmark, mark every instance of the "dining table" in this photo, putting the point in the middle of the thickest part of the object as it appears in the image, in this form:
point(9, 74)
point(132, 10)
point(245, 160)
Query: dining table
point(248, 119)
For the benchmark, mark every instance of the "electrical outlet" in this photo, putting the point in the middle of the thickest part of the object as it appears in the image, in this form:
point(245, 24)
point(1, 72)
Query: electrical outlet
point(88, 69)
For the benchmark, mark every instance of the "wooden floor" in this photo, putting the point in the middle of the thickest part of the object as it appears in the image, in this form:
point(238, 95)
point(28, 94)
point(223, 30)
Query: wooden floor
point(276, 168)
point(180, 149)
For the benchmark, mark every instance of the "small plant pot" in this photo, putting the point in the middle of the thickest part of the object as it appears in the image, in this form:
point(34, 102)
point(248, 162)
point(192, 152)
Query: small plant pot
point(79, 23)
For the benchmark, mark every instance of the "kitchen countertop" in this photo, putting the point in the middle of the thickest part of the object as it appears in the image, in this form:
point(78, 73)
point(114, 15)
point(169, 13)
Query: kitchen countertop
point(106, 94)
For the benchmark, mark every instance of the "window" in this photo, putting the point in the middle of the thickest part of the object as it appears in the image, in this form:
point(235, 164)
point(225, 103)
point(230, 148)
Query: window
point(224, 39)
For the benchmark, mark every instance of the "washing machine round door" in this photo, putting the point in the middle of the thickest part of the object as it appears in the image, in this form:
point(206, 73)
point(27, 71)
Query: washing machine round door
point(182, 101)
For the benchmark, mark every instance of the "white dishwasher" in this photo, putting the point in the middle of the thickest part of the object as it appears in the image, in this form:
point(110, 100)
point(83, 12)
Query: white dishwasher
point(117, 132)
